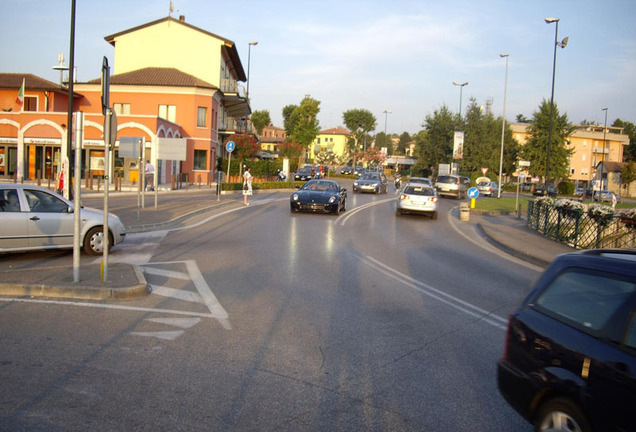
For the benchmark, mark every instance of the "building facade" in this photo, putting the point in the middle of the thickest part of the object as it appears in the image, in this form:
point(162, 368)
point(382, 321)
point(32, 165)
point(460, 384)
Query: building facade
point(334, 139)
point(174, 85)
point(271, 137)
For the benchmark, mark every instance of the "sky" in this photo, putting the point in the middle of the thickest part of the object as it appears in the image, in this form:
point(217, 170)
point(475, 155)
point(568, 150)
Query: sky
point(400, 56)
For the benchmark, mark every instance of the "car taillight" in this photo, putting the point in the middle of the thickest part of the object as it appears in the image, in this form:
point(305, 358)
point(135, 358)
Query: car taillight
point(403, 197)
point(433, 199)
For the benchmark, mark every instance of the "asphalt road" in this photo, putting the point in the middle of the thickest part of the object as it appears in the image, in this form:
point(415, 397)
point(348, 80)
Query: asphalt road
point(263, 320)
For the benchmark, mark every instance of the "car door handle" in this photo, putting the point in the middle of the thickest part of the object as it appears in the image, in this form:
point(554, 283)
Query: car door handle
point(35, 218)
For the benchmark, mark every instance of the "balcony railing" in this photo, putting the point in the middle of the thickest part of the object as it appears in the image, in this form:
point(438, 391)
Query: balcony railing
point(232, 86)
point(232, 125)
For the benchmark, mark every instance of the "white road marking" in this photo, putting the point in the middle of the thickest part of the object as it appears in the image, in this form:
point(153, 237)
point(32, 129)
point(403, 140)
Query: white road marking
point(439, 295)
point(165, 335)
point(167, 273)
point(183, 323)
point(176, 293)
point(107, 306)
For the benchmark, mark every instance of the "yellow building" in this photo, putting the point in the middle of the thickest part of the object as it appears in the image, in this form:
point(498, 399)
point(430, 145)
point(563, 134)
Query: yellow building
point(271, 137)
point(334, 139)
point(591, 144)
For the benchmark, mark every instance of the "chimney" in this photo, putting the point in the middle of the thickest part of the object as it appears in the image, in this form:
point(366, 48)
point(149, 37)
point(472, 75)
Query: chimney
point(182, 18)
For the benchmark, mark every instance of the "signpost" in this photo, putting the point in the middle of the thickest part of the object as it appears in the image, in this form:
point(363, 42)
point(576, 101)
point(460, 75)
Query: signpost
point(473, 193)
point(230, 146)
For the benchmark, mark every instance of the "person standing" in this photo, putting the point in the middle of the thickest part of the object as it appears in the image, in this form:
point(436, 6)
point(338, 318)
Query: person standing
point(614, 200)
point(247, 185)
point(149, 175)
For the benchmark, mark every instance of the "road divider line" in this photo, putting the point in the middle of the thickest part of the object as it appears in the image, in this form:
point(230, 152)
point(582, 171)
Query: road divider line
point(437, 294)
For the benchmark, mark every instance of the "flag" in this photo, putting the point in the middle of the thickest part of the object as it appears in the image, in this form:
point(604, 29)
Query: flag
point(20, 99)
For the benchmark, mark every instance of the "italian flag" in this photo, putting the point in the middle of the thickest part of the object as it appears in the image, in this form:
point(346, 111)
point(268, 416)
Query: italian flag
point(20, 99)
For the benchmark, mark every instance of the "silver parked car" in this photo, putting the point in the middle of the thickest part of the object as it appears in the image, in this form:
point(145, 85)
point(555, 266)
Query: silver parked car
point(488, 188)
point(451, 185)
point(417, 198)
point(34, 218)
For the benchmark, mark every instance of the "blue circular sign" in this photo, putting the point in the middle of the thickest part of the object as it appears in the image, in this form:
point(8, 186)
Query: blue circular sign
point(473, 192)
point(230, 146)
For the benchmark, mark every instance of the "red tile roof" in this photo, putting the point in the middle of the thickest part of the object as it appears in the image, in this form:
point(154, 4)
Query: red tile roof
point(335, 131)
point(155, 76)
point(31, 82)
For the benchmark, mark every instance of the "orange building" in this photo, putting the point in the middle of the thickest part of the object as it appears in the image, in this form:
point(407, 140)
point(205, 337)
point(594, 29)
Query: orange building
point(182, 104)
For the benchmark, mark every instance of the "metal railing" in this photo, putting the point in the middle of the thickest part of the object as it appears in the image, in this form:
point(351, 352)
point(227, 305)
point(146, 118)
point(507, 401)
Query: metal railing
point(580, 230)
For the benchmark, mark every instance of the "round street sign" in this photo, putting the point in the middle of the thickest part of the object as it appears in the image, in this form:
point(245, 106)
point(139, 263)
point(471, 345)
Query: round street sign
point(230, 146)
point(473, 192)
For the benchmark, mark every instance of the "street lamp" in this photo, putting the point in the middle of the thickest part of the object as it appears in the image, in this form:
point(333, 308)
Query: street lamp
point(503, 124)
point(249, 53)
point(461, 87)
point(603, 186)
point(386, 112)
point(562, 44)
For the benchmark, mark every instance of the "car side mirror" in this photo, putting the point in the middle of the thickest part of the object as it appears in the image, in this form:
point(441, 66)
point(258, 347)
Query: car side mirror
point(343, 189)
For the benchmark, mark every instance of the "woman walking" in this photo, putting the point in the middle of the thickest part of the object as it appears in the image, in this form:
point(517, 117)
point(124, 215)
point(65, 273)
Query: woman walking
point(247, 185)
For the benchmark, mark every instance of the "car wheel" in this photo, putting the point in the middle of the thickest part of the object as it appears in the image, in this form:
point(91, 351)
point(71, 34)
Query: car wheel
point(434, 216)
point(94, 241)
point(561, 414)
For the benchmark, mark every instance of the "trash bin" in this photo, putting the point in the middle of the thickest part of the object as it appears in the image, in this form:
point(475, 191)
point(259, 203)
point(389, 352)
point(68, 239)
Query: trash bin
point(464, 211)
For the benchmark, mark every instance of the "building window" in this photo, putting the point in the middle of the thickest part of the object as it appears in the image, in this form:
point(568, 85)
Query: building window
point(168, 112)
point(121, 108)
point(200, 159)
point(202, 115)
point(30, 103)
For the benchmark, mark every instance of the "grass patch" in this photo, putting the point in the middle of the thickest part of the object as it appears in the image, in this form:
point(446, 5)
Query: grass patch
point(503, 204)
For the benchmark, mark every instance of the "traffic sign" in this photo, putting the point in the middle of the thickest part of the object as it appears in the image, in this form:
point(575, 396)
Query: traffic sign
point(473, 192)
point(230, 146)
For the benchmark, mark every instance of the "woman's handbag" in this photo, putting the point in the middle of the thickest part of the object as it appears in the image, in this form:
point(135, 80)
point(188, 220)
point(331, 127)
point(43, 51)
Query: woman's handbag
point(245, 186)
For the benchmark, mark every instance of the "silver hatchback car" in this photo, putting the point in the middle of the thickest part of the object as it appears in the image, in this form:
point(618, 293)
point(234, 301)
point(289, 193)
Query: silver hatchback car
point(34, 218)
point(451, 185)
point(417, 198)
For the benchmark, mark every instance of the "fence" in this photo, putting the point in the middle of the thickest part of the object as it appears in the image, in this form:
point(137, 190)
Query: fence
point(581, 230)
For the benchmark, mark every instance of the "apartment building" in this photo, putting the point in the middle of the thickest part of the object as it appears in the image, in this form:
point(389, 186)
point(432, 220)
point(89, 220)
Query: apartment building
point(334, 139)
point(173, 84)
point(271, 137)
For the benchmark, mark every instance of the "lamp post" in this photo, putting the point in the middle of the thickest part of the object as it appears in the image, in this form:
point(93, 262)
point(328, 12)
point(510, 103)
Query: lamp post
point(503, 124)
point(386, 112)
point(461, 87)
point(562, 44)
point(249, 53)
point(603, 186)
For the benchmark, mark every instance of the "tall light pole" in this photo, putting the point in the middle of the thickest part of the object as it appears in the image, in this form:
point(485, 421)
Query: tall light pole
point(562, 44)
point(461, 87)
point(503, 124)
point(603, 186)
point(386, 112)
point(249, 53)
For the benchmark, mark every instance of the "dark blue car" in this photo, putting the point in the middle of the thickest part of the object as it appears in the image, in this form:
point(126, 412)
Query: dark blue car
point(570, 357)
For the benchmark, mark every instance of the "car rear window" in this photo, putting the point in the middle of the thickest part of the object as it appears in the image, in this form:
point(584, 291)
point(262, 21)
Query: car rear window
point(447, 179)
point(419, 190)
point(585, 299)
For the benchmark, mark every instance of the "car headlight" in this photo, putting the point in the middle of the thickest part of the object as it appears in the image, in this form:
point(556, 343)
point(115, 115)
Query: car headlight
point(333, 199)
point(355, 183)
point(295, 197)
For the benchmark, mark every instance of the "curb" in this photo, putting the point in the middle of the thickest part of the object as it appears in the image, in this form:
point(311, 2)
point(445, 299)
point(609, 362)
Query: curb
point(511, 251)
point(79, 292)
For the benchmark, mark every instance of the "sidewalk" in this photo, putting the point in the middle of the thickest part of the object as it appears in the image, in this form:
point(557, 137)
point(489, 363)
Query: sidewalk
point(174, 208)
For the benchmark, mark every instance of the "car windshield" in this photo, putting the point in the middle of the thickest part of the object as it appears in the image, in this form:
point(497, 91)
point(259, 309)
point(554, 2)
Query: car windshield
point(322, 186)
point(419, 190)
point(370, 176)
point(483, 184)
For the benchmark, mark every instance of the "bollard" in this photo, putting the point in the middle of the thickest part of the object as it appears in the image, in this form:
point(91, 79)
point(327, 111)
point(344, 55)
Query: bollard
point(464, 212)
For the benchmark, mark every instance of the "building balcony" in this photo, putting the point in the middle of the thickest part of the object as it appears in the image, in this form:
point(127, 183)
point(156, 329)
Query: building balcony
point(233, 126)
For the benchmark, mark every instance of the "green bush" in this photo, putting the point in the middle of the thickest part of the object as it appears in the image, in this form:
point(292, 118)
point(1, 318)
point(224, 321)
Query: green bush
point(565, 188)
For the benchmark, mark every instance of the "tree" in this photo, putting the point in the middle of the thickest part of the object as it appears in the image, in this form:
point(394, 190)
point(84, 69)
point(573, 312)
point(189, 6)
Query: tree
point(290, 118)
point(384, 140)
point(260, 119)
point(360, 122)
point(403, 144)
point(436, 145)
point(629, 130)
point(535, 149)
point(373, 156)
point(290, 149)
point(301, 122)
point(522, 119)
point(246, 146)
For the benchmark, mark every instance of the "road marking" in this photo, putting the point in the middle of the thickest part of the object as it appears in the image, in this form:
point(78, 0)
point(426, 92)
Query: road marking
point(108, 306)
point(167, 273)
point(165, 335)
point(183, 323)
point(176, 293)
point(342, 220)
point(439, 295)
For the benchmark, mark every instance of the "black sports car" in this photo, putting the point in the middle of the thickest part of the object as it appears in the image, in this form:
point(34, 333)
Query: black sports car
point(319, 196)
